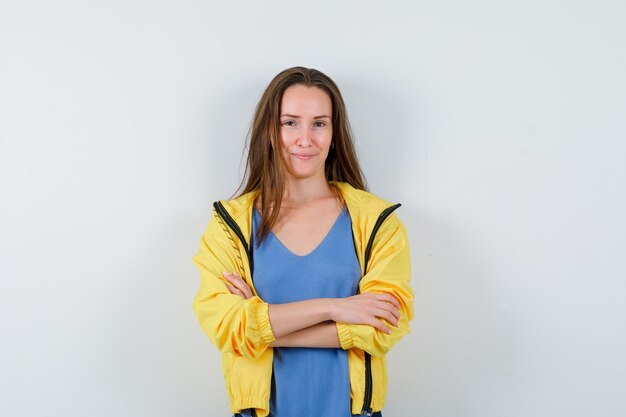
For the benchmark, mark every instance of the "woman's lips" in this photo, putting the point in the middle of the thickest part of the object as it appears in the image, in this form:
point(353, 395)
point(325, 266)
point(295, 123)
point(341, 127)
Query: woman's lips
point(303, 157)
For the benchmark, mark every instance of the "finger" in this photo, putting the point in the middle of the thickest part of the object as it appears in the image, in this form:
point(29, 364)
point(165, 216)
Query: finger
point(226, 276)
point(378, 324)
point(390, 299)
point(387, 315)
point(248, 292)
point(384, 314)
point(390, 308)
point(240, 284)
point(393, 310)
point(234, 290)
point(384, 297)
point(245, 288)
point(231, 278)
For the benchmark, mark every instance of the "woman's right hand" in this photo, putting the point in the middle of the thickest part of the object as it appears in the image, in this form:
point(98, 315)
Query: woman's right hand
point(367, 308)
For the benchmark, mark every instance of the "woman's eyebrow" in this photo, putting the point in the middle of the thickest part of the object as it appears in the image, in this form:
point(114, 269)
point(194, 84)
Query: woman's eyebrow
point(293, 116)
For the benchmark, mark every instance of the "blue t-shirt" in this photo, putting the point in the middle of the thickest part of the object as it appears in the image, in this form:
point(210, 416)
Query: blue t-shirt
point(308, 381)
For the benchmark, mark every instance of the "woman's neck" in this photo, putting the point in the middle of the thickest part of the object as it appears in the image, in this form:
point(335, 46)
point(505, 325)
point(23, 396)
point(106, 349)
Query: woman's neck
point(301, 191)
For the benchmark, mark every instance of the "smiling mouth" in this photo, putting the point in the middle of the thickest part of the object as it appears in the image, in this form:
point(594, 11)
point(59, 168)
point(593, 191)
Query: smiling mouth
point(303, 157)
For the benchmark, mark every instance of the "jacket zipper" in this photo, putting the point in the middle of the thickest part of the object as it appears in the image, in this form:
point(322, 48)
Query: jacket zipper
point(219, 207)
point(367, 401)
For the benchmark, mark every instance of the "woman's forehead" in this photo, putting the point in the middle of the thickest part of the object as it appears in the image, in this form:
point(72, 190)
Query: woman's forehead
point(301, 100)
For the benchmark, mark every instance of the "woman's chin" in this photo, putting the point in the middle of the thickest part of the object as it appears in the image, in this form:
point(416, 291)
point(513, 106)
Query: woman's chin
point(303, 175)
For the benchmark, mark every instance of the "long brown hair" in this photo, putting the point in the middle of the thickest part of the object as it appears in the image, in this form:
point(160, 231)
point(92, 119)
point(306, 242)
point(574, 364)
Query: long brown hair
point(265, 168)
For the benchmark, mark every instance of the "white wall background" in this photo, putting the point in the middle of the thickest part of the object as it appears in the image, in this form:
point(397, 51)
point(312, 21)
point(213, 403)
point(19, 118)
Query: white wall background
point(500, 126)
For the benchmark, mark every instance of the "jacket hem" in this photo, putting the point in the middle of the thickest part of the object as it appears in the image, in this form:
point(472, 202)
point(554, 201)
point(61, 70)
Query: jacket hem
point(261, 405)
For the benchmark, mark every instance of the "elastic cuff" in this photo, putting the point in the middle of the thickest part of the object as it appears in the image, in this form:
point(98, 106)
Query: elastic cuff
point(261, 405)
point(263, 319)
point(345, 336)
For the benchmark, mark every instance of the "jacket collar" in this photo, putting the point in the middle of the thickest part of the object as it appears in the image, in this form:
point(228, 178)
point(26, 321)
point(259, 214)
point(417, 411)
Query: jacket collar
point(364, 209)
point(359, 202)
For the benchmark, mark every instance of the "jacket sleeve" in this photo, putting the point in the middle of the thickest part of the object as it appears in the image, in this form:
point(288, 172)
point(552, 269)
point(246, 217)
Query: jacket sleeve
point(389, 272)
point(232, 323)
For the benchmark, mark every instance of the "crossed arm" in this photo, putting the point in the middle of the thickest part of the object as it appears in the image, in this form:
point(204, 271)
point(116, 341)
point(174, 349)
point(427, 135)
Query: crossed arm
point(311, 323)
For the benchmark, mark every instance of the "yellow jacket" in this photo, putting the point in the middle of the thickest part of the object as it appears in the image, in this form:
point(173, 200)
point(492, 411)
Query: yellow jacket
point(241, 328)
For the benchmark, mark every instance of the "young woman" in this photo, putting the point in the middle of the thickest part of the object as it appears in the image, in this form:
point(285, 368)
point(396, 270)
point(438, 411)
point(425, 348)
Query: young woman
point(305, 275)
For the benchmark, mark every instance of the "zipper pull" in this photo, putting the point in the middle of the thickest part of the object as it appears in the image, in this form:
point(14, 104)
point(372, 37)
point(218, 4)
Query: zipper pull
point(368, 412)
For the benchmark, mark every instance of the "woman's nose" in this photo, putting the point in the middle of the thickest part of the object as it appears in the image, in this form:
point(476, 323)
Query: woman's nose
point(304, 138)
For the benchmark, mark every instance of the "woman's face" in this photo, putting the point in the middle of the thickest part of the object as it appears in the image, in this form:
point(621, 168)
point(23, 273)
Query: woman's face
point(306, 130)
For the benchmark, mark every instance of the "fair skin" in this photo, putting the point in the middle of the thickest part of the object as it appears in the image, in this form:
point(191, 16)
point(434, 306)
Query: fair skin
point(308, 211)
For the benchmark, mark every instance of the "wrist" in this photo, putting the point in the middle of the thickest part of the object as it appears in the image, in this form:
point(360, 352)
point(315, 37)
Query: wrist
point(329, 308)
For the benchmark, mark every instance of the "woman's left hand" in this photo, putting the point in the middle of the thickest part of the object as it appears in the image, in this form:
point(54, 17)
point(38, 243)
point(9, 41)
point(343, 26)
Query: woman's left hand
point(237, 285)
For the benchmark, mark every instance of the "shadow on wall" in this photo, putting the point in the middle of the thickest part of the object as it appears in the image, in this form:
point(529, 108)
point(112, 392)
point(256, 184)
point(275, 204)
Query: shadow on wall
point(463, 347)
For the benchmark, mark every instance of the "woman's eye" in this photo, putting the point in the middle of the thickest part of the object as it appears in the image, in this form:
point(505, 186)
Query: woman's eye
point(320, 124)
point(289, 123)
